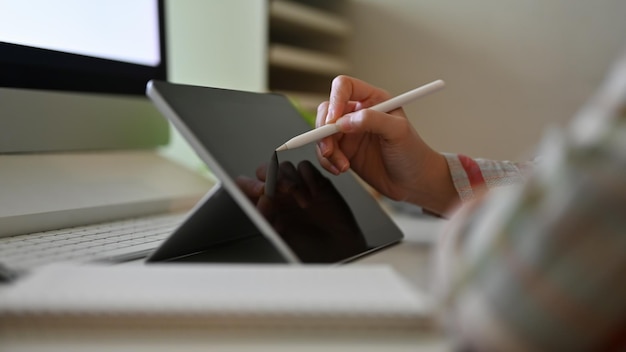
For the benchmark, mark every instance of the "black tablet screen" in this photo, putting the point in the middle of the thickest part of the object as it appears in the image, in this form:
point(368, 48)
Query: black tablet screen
point(321, 217)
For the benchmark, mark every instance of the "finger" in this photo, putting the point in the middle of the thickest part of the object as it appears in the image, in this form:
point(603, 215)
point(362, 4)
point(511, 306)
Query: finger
point(331, 156)
point(249, 186)
point(313, 178)
point(287, 177)
point(322, 110)
point(326, 164)
point(345, 89)
point(325, 145)
point(292, 184)
point(261, 172)
point(307, 173)
point(389, 127)
point(329, 145)
point(339, 160)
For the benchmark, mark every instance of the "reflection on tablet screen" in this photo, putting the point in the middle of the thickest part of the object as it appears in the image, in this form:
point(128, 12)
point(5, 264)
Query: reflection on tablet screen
point(310, 215)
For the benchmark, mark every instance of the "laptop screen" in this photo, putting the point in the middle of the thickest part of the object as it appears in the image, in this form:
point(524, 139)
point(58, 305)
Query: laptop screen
point(320, 217)
point(112, 46)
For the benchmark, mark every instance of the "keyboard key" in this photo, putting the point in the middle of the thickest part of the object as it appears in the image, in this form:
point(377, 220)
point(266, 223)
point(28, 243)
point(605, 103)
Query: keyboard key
point(118, 240)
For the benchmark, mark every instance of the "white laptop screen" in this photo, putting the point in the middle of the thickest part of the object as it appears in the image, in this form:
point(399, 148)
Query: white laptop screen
point(74, 49)
point(118, 30)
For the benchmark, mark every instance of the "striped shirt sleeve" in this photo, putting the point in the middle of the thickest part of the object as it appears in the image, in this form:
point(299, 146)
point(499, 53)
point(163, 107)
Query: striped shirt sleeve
point(471, 177)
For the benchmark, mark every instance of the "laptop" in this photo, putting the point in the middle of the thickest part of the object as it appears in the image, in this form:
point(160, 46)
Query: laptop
point(311, 217)
point(81, 164)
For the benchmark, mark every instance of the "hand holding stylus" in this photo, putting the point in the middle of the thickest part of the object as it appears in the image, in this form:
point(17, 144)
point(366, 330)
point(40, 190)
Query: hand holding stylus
point(383, 149)
point(386, 106)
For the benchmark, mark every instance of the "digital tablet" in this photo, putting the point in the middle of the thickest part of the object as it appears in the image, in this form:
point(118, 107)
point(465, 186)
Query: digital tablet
point(310, 215)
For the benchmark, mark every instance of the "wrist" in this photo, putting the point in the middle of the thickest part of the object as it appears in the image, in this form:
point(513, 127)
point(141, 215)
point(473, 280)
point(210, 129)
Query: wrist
point(434, 190)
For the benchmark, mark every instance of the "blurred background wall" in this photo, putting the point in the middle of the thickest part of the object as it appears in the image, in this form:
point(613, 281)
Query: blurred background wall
point(214, 43)
point(511, 66)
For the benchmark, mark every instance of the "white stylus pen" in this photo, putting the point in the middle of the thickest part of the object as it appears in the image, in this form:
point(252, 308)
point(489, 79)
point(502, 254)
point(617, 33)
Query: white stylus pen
point(386, 106)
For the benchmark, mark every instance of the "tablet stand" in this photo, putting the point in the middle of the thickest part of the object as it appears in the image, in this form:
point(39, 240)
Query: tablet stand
point(217, 230)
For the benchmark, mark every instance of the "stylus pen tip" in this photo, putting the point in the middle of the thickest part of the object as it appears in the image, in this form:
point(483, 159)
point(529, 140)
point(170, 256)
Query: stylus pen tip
point(282, 147)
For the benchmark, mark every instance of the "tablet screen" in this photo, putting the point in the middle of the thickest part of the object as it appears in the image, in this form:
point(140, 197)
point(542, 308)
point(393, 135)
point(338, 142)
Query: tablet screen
point(322, 218)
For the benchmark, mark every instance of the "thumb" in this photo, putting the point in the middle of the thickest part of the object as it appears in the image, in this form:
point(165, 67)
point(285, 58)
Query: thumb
point(370, 121)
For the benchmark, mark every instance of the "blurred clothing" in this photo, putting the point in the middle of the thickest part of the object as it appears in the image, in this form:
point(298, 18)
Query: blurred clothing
point(540, 265)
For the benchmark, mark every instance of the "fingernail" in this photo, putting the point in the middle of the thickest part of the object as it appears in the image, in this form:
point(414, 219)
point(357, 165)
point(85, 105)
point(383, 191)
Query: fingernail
point(322, 147)
point(324, 150)
point(329, 115)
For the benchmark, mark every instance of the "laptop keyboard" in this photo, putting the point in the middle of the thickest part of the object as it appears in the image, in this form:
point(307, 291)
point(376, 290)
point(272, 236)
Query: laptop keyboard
point(115, 241)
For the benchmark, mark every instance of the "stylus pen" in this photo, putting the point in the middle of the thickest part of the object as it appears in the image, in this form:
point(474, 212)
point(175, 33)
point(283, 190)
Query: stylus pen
point(386, 106)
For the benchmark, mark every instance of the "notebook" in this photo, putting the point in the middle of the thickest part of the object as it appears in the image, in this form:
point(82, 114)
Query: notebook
point(220, 293)
point(199, 307)
point(313, 217)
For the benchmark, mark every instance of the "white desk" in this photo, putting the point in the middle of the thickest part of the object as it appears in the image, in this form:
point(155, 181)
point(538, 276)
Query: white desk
point(411, 257)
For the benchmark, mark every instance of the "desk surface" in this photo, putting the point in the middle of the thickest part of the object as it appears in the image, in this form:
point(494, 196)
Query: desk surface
point(410, 258)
